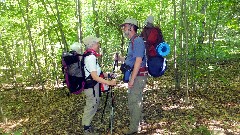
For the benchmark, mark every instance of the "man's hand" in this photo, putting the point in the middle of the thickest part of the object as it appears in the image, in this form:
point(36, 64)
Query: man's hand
point(136, 68)
point(130, 83)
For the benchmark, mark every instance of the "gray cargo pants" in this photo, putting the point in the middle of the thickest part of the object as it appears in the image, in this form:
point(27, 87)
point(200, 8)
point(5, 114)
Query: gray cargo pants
point(135, 102)
point(92, 103)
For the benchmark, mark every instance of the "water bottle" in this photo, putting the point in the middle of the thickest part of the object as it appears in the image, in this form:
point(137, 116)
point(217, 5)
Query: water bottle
point(104, 87)
point(126, 76)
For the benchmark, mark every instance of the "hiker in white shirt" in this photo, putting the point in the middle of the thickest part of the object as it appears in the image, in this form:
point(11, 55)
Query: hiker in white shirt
point(92, 72)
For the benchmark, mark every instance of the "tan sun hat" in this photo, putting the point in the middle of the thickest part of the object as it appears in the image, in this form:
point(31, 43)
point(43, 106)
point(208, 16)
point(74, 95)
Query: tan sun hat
point(130, 20)
point(90, 40)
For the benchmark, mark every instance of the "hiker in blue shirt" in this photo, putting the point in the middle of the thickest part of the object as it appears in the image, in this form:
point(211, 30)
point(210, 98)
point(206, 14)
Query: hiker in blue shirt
point(136, 59)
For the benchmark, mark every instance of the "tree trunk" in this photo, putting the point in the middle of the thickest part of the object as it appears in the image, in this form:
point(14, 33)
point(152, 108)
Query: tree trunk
point(181, 46)
point(177, 85)
point(194, 68)
point(60, 28)
point(203, 23)
point(215, 32)
point(209, 59)
point(95, 23)
point(185, 24)
point(28, 27)
point(79, 23)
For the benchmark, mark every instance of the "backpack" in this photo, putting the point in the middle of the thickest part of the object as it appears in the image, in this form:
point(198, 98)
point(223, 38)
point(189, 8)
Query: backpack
point(153, 37)
point(73, 70)
point(157, 64)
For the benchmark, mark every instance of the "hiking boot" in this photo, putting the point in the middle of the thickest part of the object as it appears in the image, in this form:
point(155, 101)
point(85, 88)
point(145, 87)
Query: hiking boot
point(127, 131)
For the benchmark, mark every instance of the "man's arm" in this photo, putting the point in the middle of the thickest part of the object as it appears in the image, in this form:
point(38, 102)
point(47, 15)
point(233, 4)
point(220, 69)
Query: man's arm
point(136, 68)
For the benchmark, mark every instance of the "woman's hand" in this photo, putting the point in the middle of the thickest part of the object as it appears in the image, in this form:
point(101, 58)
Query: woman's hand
point(112, 82)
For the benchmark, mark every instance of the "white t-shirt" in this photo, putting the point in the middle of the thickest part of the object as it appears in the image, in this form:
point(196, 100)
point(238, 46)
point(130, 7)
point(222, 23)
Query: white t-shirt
point(91, 65)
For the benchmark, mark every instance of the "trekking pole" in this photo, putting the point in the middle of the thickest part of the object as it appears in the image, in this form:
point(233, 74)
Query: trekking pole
point(112, 95)
point(112, 100)
point(105, 104)
point(109, 88)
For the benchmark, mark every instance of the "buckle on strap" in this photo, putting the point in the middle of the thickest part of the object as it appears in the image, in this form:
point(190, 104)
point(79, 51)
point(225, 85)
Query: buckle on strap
point(143, 71)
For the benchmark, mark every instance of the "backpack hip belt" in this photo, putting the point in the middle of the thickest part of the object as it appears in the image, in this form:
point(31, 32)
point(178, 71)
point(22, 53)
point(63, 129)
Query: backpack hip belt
point(143, 71)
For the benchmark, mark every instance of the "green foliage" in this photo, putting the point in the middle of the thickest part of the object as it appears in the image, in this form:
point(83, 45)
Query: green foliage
point(45, 30)
point(201, 130)
point(207, 46)
point(18, 132)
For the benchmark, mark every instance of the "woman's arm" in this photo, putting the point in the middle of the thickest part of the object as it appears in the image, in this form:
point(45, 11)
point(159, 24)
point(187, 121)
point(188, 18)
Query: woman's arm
point(101, 80)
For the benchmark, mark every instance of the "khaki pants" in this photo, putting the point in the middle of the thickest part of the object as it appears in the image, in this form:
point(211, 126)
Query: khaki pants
point(92, 103)
point(135, 102)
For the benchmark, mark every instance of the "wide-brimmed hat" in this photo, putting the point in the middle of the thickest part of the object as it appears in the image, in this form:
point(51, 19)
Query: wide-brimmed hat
point(130, 20)
point(90, 40)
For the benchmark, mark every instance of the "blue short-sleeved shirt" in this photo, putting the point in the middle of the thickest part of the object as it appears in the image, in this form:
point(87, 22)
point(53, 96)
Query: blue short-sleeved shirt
point(136, 50)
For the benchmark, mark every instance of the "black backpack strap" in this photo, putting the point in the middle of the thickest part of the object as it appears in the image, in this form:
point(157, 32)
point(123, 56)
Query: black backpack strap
point(83, 64)
point(83, 58)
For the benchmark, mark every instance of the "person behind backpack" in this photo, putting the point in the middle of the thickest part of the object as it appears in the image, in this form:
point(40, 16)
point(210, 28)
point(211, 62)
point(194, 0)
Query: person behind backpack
point(135, 59)
point(92, 70)
point(152, 36)
point(76, 47)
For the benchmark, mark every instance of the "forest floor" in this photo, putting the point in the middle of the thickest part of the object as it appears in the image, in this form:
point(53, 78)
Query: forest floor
point(211, 109)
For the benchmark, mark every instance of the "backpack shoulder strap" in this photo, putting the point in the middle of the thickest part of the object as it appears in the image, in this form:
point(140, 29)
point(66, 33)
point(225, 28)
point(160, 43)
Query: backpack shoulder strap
point(87, 54)
point(132, 41)
point(84, 56)
point(133, 44)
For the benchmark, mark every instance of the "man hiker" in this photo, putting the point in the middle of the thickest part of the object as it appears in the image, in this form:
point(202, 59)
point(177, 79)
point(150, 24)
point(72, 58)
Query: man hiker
point(135, 59)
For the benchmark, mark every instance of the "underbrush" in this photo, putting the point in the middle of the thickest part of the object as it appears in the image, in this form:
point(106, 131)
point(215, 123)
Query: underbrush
point(213, 110)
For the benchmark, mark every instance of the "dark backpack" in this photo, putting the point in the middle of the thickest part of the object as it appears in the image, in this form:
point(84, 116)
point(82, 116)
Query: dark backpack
point(157, 65)
point(73, 70)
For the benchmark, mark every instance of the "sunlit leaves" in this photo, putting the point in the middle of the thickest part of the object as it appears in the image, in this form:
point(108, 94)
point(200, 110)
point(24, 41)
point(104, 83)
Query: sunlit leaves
point(216, 58)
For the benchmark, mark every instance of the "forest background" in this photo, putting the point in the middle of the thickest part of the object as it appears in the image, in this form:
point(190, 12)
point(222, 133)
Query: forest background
point(199, 93)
